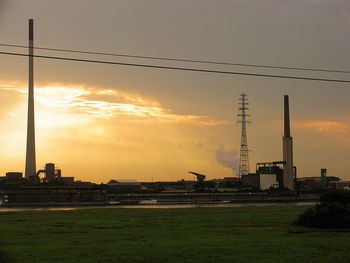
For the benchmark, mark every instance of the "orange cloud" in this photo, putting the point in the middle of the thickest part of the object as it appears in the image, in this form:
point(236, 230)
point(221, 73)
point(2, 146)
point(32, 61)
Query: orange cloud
point(322, 126)
point(81, 103)
point(325, 127)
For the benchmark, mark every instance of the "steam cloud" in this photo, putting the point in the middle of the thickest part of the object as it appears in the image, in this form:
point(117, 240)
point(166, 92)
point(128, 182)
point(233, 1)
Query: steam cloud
point(228, 158)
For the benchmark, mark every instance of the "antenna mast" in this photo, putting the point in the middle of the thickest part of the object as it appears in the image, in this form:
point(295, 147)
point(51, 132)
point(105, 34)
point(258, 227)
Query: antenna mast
point(242, 118)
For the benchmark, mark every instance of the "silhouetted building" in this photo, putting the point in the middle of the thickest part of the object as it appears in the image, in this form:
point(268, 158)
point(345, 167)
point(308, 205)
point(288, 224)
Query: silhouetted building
point(314, 184)
point(123, 186)
point(268, 175)
point(14, 175)
point(230, 182)
point(51, 173)
point(251, 180)
point(340, 185)
point(54, 194)
point(271, 174)
point(67, 180)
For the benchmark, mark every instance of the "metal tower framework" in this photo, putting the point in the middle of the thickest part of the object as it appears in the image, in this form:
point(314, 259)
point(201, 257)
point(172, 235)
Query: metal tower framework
point(242, 118)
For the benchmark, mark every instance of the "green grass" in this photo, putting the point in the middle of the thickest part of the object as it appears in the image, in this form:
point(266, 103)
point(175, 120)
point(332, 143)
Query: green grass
point(248, 234)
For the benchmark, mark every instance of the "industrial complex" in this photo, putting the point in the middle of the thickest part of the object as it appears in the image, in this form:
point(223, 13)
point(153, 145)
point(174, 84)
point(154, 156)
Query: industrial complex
point(271, 181)
point(276, 174)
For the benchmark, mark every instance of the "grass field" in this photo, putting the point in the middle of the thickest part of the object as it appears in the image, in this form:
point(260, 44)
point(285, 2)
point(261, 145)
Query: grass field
point(248, 234)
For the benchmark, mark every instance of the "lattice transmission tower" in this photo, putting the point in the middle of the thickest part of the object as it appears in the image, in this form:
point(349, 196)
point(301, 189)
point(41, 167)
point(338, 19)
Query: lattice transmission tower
point(244, 151)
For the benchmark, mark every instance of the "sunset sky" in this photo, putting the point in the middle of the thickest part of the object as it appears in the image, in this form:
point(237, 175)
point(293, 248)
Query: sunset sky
point(101, 122)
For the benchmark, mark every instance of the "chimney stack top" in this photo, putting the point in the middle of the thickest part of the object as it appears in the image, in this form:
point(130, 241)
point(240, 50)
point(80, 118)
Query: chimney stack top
point(286, 117)
point(31, 31)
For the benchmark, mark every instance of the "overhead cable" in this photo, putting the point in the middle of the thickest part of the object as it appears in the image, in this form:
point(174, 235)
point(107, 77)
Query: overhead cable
point(180, 59)
point(177, 68)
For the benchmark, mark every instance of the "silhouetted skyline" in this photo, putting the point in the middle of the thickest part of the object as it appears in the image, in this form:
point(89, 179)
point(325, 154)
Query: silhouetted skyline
point(99, 122)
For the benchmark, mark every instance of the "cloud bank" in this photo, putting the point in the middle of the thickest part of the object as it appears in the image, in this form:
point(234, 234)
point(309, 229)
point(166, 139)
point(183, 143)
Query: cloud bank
point(101, 103)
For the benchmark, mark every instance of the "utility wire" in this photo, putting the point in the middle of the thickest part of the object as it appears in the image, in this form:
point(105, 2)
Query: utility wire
point(176, 68)
point(178, 59)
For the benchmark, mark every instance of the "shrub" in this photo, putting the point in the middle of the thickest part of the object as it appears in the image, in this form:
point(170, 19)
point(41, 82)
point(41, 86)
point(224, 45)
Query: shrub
point(332, 212)
point(342, 197)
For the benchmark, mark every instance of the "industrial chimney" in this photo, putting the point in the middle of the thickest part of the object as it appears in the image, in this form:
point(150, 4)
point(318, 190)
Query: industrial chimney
point(288, 168)
point(30, 169)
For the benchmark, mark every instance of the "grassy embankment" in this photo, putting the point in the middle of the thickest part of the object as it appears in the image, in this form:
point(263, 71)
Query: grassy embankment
point(250, 234)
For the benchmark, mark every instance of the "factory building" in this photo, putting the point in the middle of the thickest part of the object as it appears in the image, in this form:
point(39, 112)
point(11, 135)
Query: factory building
point(268, 175)
point(123, 186)
point(340, 185)
point(68, 180)
point(278, 174)
point(51, 173)
point(41, 194)
point(12, 178)
point(317, 183)
point(314, 183)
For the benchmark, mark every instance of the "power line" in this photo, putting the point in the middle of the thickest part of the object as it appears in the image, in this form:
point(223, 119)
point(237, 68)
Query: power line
point(177, 68)
point(179, 59)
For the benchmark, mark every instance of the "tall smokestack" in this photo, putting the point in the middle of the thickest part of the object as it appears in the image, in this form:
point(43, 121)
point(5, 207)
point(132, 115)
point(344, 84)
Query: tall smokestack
point(286, 117)
point(30, 169)
point(288, 168)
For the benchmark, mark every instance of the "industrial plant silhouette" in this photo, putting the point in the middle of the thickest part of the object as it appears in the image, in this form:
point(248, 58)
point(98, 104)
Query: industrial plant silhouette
point(277, 176)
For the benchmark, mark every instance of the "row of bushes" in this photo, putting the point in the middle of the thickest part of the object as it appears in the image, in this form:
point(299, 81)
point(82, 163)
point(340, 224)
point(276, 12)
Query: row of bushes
point(332, 212)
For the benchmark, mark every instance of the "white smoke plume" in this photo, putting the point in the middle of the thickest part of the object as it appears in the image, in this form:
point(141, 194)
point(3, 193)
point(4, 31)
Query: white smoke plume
point(228, 158)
